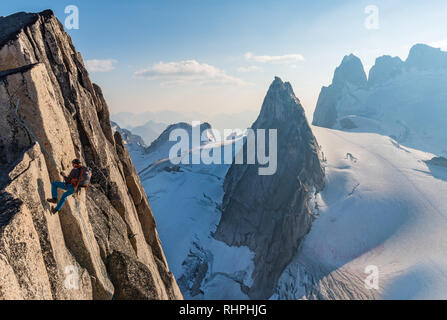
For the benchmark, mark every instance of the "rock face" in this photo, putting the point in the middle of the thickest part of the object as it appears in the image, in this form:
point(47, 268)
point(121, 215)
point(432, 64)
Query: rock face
point(104, 241)
point(272, 214)
point(158, 153)
point(405, 100)
point(437, 161)
point(132, 141)
point(350, 91)
point(423, 57)
point(385, 68)
point(350, 74)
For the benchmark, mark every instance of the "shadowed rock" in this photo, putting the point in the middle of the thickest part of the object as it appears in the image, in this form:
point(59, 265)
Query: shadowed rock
point(68, 114)
point(348, 74)
point(272, 214)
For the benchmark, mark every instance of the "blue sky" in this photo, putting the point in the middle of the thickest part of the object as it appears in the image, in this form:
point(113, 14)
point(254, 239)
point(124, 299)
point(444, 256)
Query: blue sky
point(220, 56)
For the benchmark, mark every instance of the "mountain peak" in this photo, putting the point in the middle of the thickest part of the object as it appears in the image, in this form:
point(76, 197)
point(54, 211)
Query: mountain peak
point(348, 58)
point(277, 80)
point(163, 139)
point(424, 57)
point(277, 209)
point(279, 85)
point(422, 47)
point(350, 71)
point(279, 103)
point(11, 25)
point(385, 68)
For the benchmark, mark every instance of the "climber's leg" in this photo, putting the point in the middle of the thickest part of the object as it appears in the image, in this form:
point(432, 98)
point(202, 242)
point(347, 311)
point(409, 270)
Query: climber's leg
point(69, 192)
point(57, 185)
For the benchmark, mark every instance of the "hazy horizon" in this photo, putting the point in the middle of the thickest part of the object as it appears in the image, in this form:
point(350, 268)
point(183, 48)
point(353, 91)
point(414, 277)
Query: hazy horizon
point(220, 58)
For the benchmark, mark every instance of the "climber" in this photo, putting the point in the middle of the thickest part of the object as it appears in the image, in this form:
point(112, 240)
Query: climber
point(71, 185)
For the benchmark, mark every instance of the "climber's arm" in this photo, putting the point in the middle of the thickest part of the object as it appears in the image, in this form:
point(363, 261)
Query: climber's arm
point(70, 176)
point(63, 176)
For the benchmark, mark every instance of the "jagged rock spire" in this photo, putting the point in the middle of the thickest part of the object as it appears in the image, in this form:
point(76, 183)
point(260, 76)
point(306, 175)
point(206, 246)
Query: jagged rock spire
point(271, 214)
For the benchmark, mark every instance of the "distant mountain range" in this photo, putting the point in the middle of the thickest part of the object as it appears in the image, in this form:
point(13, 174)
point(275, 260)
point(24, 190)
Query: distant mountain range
point(231, 234)
point(406, 100)
point(149, 125)
point(149, 131)
point(188, 199)
point(132, 141)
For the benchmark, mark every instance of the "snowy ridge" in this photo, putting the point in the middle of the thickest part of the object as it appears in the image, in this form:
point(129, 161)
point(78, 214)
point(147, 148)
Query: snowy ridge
point(383, 206)
point(404, 100)
point(202, 265)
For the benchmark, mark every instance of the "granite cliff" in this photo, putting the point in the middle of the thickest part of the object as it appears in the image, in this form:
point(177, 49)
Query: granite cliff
point(104, 243)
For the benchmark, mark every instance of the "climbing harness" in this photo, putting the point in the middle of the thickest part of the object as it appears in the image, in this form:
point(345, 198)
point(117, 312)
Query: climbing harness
point(32, 134)
point(83, 181)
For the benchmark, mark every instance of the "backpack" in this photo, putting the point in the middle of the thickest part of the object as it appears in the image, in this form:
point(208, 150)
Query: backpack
point(84, 177)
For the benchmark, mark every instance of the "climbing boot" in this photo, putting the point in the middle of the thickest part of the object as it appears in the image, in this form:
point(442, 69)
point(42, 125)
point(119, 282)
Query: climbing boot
point(52, 200)
point(53, 210)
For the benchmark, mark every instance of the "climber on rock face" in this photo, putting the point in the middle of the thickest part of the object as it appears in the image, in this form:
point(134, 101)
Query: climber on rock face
point(71, 185)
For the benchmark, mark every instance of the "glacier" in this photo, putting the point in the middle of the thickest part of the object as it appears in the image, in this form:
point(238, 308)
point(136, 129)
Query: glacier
point(383, 205)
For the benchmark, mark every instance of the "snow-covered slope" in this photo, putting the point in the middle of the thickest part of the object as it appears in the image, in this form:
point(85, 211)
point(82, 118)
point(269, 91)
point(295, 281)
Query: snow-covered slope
point(159, 149)
point(411, 109)
point(137, 122)
point(204, 267)
point(383, 206)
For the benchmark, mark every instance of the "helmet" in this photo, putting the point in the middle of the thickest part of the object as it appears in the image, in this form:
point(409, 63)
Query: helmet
point(76, 161)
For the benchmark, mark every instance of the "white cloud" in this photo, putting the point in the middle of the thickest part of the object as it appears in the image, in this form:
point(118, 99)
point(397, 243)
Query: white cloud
point(249, 69)
point(285, 59)
point(187, 71)
point(439, 44)
point(96, 65)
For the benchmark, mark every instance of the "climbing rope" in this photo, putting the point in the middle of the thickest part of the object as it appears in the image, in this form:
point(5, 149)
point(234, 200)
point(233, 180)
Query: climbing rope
point(32, 134)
